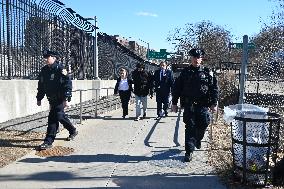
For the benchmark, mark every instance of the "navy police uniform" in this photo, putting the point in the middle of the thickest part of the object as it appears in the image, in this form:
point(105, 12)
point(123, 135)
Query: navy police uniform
point(197, 88)
point(57, 86)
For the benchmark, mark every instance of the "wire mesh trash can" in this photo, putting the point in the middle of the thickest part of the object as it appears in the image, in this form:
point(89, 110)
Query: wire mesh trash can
point(255, 136)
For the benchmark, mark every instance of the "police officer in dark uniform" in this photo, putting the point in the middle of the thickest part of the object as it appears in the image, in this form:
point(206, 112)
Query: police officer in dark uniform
point(55, 83)
point(197, 87)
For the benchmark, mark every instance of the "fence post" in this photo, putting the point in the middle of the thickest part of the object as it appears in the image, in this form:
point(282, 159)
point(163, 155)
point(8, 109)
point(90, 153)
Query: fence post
point(8, 50)
point(96, 105)
point(107, 101)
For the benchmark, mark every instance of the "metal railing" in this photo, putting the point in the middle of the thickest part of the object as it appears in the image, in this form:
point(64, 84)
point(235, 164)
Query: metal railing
point(97, 100)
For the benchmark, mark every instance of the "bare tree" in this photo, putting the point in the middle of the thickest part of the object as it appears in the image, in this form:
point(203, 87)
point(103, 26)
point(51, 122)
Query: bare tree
point(269, 54)
point(212, 38)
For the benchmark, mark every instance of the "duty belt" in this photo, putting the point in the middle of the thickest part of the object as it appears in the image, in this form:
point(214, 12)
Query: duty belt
point(194, 103)
point(53, 97)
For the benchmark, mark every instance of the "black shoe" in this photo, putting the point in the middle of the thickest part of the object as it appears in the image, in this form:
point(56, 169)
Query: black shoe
point(188, 157)
point(158, 117)
point(198, 144)
point(72, 136)
point(166, 114)
point(44, 146)
point(144, 115)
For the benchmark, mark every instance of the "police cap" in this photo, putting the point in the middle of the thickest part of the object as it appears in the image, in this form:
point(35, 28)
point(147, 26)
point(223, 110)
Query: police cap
point(46, 53)
point(198, 53)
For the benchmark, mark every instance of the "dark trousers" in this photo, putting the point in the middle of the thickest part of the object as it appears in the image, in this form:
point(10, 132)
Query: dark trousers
point(162, 102)
point(56, 115)
point(196, 119)
point(124, 97)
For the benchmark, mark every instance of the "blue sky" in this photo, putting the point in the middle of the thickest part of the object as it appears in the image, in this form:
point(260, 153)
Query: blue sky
point(152, 20)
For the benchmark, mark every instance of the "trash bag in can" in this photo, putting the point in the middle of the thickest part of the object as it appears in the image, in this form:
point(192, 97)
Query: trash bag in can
point(255, 134)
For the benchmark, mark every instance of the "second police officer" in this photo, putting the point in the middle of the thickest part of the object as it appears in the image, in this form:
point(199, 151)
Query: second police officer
point(55, 83)
point(197, 89)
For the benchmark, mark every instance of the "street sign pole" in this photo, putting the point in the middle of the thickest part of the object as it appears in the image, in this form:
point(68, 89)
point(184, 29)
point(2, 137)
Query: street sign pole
point(243, 69)
point(148, 50)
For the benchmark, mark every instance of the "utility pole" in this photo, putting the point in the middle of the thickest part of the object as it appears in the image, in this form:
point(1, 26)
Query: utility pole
point(148, 49)
point(96, 60)
point(95, 53)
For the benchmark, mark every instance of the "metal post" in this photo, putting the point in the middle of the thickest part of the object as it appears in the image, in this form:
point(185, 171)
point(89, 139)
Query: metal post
point(148, 51)
point(107, 101)
point(96, 105)
point(80, 106)
point(8, 37)
point(96, 61)
point(211, 129)
point(243, 69)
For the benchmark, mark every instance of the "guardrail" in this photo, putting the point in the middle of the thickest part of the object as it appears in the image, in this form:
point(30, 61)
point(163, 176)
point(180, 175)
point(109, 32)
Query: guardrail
point(105, 102)
point(97, 97)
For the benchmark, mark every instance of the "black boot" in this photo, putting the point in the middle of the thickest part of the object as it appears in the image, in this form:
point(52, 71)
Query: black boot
point(198, 144)
point(44, 146)
point(188, 157)
point(72, 136)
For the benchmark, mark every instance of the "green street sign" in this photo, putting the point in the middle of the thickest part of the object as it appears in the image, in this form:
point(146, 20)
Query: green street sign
point(158, 55)
point(240, 45)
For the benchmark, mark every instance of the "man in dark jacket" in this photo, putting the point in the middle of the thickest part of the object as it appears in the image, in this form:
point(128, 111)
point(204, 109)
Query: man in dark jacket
point(55, 83)
point(163, 82)
point(197, 87)
point(143, 85)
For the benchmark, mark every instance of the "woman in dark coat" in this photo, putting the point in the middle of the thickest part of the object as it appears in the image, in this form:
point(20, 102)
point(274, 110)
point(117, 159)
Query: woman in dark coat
point(124, 88)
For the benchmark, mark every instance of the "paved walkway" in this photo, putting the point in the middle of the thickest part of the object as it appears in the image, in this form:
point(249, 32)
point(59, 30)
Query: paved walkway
point(114, 153)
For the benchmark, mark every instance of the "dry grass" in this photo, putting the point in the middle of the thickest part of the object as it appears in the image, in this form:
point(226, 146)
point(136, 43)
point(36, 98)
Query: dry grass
point(55, 151)
point(16, 144)
point(220, 156)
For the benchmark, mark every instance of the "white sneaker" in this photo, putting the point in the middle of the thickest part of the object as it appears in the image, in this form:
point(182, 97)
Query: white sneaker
point(137, 119)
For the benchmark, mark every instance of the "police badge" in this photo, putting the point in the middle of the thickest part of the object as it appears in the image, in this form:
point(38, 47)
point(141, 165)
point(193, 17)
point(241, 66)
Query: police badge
point(64, 72)
point(52, 77)
point(202, 76)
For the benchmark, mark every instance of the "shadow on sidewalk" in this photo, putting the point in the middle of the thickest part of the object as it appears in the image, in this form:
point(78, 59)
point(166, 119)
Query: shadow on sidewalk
point(157, 181)
point(170, 154)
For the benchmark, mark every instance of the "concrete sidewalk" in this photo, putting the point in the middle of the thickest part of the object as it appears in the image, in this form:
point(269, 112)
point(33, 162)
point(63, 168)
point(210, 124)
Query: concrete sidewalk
point(111, 152)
